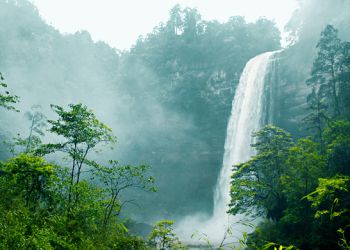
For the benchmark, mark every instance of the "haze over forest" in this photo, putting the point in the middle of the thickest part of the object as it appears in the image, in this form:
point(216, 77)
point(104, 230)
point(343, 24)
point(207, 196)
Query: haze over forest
point(196, 127)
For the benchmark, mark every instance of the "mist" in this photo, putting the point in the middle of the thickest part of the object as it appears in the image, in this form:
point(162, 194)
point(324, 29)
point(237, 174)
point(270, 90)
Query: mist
point(168, 98)
point(134, 96)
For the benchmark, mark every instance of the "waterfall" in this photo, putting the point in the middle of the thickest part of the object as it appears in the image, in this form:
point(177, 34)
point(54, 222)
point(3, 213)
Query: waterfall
point(246, 117)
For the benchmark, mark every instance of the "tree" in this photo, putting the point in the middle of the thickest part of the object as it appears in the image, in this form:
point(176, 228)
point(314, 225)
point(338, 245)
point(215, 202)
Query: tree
point(256, 186)
point(117, 179)
point(330, 74)
point(37, 124)
point(175, 20)
point(326, 68)
point(337, 140)
point(7, 100)
point(82, 132)
point(284, 177)
point(304, 166)
point(30, 178)
point(317, 116)
point(163, 237)
point(344, 78)
point(33, 141)
point(331, 197)
point(191, 24)
point(331, 204)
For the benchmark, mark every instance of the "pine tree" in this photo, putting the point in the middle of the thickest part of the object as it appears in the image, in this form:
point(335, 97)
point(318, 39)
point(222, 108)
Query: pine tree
point(326, 69)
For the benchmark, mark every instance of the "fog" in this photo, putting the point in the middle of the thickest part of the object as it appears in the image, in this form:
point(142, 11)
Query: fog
point(43, 67)
point(167, 101)
point(120, 23)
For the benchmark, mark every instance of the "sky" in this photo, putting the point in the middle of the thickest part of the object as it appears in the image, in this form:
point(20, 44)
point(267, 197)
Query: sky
point(120, 22)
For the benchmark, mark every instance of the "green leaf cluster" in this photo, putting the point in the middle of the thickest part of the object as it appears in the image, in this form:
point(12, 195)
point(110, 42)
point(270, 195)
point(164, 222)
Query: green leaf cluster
point(47, 206)
point(6, 99)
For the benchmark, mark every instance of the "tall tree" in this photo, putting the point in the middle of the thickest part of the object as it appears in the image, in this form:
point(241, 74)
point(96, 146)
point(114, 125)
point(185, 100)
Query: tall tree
point(326, 68)
point(317, 116)
point(33, 141)
point(337, 140)
point(37, 124)
point(82, 132)
point(175, 20)
point(256, 186)
point(116, 179)
point(344, 78)
point(191, 24)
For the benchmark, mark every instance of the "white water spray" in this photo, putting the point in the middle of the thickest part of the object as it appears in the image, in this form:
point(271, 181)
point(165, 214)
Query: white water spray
point(246, 118)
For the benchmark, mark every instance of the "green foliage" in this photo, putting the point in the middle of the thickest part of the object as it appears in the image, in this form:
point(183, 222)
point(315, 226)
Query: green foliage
point(317, 116)
point(294, 185)
point(331, 204)
point(329, 76)
point(42, 207)
point(6, 99)
point(303, 166)
point(79, 126)
point(344, 241)
point(274, 246)
point(28, 201)
point(229, 240)
point(337, 138)
point(37, 124)
point(130, 242)
point(326, 67)
point(82, 132)
point(190, 68)
point(13, 228)
point(163, 237)
point(329, 196)
point(34, 212)
point(30, 178)
point(116, 179)
point(256, 186)
point(179, 87)
point(314, 181)
point(33, 141)
point(344, 79)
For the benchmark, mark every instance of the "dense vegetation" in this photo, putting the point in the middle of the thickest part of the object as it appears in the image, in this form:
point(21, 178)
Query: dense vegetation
point(168, 99)
point(302, 187)
point(296, 60)
point(191, 67)
point(171, 82)
point(172, 91)
point(46, 206)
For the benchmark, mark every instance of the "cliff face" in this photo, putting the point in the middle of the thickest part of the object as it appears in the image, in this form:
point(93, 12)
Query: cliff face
point(293, 65)
point(287, 96)
point(284, 98)
point(167, 100)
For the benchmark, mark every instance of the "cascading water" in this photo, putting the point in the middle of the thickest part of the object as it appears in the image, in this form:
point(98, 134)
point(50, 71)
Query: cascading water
point(246, 117)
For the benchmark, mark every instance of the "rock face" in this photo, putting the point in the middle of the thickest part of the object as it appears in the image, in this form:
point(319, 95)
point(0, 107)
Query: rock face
point(285, 98)
point(167, 100)
point(293, 65)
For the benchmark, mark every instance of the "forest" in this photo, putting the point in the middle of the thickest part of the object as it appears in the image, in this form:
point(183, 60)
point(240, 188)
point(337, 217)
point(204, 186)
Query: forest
point(103, 148)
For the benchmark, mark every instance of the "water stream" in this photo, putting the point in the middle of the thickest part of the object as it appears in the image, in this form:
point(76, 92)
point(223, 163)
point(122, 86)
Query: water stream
point(246, 118)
